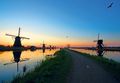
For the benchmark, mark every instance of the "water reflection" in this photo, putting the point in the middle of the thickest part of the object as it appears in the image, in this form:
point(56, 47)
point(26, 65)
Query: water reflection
point(100, 52)
point(19, 62)
point(17, 59)
point(114, 55)
point(43, 50)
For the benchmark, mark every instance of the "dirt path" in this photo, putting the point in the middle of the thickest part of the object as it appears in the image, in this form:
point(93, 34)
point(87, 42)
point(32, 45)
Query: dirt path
point(85, 70)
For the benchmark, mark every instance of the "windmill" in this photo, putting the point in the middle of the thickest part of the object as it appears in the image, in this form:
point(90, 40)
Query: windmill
point(100, 46)
point(50, 47)
point(17, 42)
point(43, 47)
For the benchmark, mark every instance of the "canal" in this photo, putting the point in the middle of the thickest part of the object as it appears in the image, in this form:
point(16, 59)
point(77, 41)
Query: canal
point(13, 63)
point(114, 55)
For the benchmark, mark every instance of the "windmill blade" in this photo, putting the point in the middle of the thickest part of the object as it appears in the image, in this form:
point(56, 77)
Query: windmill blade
point(8, 63)
point(19, 31)
point(10, 35)
point(25, 59)
point(24, 38)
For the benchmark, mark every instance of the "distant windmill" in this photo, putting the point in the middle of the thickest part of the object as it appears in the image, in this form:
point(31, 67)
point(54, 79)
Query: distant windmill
point(100, 46)
point(43, 45)
point(50, 47)
point(17, 42)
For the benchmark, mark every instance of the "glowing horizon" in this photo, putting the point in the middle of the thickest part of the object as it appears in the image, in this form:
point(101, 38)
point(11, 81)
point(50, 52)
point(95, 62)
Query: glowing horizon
point(37, 40)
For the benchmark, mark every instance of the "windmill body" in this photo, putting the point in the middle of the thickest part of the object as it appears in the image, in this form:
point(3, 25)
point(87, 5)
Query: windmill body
point(43, 45)
point(43, 48)
point(17, 42)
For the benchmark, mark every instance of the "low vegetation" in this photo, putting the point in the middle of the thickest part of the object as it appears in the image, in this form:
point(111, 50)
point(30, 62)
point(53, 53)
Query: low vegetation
point(53, 70)
point(109, 65)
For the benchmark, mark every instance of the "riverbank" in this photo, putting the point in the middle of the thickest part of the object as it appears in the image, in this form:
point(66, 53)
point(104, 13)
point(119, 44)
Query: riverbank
point(110, 66)
point(53, 70)
point(32, 48)
point(10, 48)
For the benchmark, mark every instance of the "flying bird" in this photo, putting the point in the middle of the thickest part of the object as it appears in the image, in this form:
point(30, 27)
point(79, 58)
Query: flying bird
point(110, 5)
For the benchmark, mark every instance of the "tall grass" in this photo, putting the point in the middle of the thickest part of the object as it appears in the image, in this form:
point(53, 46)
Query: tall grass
point(52, 70)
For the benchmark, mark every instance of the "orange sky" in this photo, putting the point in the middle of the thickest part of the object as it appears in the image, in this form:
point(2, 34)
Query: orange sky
point(37, 40)
point(57, 42)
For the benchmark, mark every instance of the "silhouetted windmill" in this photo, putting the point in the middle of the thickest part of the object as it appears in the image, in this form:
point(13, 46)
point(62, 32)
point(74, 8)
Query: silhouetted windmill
point(50, 47)
point(43, 47)
point(17, 42)
point(100, 46)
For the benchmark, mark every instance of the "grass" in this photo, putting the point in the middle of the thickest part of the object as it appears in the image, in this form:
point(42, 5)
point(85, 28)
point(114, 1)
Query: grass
point(53, 70)
point(109, 65)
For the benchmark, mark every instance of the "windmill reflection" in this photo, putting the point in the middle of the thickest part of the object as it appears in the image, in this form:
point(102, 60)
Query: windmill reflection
point(43, 50)
point(43, 47)
point(50, 47)
point(17, 59)
point(100, 47)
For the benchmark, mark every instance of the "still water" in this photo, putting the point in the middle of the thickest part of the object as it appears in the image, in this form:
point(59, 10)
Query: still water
point(114, 55)
point(12, 63)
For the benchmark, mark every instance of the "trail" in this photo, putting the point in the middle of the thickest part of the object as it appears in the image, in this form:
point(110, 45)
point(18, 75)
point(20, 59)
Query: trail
point(85, 70)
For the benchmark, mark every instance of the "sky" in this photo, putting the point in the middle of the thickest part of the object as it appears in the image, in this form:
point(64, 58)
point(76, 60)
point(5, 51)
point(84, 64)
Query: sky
point(60, 22)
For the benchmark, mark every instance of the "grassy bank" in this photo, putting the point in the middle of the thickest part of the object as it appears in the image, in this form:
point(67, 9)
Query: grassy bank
point(109, 65)
point(52, 70)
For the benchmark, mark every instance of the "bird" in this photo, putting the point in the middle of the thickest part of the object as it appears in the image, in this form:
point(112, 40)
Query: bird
point(110, 5)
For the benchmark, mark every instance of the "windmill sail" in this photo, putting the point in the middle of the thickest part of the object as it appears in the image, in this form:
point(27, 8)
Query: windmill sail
point(19, 32)
point(24, 38)
point(10, 35)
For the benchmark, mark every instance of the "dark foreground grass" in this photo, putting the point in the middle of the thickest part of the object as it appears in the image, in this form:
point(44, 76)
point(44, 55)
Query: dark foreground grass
point(53, 70)
point(109, 65)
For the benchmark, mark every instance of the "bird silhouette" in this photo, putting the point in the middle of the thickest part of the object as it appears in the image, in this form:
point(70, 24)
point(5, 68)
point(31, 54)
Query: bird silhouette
point(110, 5)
